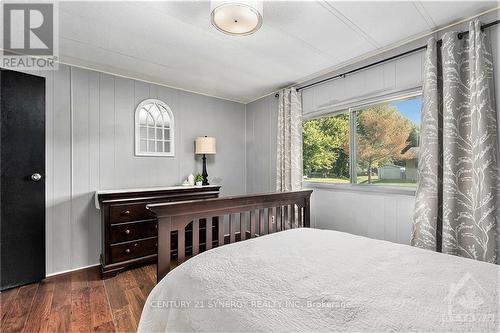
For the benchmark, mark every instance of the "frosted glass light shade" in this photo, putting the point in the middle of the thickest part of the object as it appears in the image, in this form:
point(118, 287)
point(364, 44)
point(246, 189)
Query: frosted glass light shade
point(205, 145)
point(236, 17)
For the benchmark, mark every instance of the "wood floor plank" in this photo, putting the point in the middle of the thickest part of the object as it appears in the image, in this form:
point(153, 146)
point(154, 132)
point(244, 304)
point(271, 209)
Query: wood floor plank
point(19, 310)
point(60, 312)
point(122, 319)
point(38, 318)
point(99, 305)
point(127, 280)
point(136, 302)
point(116, 296)
point(60, 318)
point(108, 327)
point(79, 280)
point(143, 281)
point(7, 297)
point(78, 302)
point(62, 291)
point(80, 310)
point(151, 271)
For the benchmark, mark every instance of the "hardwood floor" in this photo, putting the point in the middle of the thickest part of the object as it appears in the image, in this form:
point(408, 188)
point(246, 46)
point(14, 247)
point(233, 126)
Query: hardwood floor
point(78, 302)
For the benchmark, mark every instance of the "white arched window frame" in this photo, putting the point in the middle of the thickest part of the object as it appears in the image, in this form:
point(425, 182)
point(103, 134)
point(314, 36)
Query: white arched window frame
point(154, 129)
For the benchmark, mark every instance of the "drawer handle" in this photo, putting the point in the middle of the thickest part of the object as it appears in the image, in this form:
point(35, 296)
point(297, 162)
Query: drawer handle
point(127, 212)
point(136, 244)
point(127, 231)
point(127, 251)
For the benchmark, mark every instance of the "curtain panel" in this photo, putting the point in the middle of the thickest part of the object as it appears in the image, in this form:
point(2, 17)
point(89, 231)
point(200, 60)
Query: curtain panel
point(456, 208)
point(289, 141)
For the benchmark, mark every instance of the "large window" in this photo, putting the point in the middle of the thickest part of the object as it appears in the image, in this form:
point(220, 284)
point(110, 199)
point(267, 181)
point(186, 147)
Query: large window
point(375, 144)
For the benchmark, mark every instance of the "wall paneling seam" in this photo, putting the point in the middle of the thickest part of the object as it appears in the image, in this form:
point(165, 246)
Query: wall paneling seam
point(114, 130)
point(99, 130)
point(89, 159)
point(71, 160)
point(272, 149)
point(246, 141)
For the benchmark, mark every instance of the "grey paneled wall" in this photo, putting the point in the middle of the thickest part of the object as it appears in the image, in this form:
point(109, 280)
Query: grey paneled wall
point(375, 215)
point(262, 120)
point(90, 146)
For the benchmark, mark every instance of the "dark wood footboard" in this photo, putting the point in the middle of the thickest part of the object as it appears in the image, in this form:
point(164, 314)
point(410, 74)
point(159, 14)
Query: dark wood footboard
point(247, 216)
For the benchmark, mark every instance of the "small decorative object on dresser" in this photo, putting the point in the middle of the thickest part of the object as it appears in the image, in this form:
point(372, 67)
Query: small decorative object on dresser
point(205, 146)
point(190, 179)
point(129, 230)
point(199, 180)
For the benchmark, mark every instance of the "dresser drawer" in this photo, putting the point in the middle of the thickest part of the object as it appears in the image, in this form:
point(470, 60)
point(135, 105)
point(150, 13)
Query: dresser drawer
point(131, 250)
point(127, 213)
point(133, 230)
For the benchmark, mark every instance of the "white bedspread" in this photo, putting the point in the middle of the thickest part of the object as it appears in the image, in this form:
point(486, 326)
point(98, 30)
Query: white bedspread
point(318, 280)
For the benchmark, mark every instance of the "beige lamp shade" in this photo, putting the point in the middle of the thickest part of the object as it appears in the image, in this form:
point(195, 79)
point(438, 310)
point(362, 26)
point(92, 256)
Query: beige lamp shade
point(205, 145)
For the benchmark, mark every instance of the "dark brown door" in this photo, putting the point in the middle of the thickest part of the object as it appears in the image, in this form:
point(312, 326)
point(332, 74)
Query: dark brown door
point(22, 182)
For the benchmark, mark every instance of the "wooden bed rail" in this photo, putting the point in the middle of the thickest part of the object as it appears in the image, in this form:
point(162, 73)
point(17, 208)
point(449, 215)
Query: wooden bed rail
point(190, 227)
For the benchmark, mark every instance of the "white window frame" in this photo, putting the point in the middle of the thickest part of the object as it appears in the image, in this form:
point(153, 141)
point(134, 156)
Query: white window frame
point(138, 109)
point(351, 111)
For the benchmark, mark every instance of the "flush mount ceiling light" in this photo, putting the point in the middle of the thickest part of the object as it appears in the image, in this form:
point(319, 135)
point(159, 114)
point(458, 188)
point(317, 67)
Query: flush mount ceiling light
point(238, 18)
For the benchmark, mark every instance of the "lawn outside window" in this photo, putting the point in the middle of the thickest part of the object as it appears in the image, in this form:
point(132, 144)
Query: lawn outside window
point(370, 147)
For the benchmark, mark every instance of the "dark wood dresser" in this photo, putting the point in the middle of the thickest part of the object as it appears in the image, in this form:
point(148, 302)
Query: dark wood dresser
point(129, 230)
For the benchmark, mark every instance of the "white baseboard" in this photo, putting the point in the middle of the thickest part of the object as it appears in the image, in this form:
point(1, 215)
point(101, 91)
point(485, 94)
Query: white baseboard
point(71, 270)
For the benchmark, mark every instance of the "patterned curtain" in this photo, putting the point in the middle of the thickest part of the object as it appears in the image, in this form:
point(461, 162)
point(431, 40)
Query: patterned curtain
point(289, 155)
point(456, 207)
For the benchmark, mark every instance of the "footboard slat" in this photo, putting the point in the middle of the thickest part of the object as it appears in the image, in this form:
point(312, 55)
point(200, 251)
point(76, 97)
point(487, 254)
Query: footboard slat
point(278, 219)
point(181, 246)
point(232, 232)
point(252, 223)
point(196, 237)
point(221, 230)
point(300, 217)
point(268, 213)
point(261, 222)
point(285, 218)
point(243, 226)
point(208, 234)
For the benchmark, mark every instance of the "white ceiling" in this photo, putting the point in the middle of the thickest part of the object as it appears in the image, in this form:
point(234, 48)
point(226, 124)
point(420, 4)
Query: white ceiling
point(173, 43)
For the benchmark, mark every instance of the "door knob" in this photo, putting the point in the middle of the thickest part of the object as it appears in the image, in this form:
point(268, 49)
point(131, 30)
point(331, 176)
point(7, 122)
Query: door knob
point(36, 177)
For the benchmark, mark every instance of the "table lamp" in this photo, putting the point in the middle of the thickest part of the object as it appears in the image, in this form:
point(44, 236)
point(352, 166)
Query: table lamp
point(205, 145)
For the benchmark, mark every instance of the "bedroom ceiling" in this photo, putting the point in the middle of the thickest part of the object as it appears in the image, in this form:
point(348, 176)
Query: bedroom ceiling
point(173, 43)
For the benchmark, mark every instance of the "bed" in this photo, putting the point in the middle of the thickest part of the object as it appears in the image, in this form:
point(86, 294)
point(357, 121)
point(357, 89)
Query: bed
point(319, 280)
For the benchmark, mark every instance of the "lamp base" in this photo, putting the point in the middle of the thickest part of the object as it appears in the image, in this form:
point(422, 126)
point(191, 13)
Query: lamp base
point(205, 173)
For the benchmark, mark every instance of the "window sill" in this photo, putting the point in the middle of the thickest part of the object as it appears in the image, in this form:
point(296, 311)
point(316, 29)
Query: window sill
point(393, 190)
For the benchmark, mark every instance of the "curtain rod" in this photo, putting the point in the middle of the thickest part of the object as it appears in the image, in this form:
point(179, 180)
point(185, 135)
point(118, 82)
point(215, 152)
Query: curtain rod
point(460, 36)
